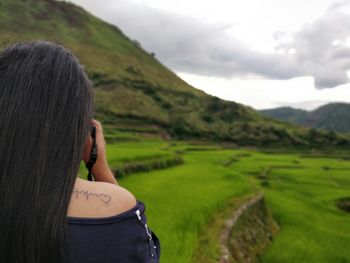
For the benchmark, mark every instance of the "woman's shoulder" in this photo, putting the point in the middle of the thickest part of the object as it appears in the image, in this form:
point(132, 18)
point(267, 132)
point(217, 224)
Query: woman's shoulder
point(99, 199)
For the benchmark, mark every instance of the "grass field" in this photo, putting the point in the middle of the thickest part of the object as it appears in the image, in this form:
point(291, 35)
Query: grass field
point(300, 189)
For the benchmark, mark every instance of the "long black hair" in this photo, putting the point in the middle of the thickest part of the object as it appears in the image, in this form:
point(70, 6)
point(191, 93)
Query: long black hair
point(46, 104)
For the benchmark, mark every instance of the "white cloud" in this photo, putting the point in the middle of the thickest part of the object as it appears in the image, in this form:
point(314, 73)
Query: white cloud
point(265, 94)
point(186, 44)
point(234, 45)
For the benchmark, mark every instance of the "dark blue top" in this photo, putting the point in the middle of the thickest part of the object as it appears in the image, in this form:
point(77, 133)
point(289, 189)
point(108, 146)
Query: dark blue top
point(123, 238)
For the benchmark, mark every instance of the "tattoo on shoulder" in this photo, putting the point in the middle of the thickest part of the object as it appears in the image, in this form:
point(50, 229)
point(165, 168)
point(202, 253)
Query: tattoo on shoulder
point(105, 198)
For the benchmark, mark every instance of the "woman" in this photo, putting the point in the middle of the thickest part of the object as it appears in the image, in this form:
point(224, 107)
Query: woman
point(48, 214)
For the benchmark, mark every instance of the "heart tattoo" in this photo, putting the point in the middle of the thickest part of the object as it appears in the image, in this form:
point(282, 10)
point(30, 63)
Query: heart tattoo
point(105, 198)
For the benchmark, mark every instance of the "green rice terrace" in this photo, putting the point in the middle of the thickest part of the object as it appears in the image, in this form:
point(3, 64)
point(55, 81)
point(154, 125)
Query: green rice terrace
point(190, 189)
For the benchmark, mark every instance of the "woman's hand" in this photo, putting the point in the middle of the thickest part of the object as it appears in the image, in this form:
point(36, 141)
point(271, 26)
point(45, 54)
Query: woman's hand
point(100, 169)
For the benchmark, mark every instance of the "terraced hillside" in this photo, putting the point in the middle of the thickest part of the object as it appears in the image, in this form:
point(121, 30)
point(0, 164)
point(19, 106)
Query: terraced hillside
point(134, 91)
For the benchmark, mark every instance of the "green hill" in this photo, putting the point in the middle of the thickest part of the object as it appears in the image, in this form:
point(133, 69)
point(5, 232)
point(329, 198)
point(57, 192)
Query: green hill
point(288, 114)
point(332, 117)
point(134, 91)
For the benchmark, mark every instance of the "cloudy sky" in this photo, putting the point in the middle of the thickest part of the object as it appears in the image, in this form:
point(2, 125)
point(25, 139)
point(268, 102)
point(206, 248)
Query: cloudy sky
point(261, 53)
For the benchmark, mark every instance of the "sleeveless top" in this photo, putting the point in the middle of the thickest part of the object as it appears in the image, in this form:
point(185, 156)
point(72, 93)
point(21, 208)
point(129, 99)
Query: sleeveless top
point(123, 238)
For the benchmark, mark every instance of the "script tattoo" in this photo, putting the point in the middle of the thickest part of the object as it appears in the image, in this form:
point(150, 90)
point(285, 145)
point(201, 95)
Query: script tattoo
point(105, 198)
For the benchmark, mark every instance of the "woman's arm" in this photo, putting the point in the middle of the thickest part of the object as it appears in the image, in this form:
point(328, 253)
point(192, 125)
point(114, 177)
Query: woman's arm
point(104, 174)
point(100, 170)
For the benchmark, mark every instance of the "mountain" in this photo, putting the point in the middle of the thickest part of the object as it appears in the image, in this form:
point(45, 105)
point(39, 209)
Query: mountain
point(287, 114)
point(332, 117)
point(134, 92)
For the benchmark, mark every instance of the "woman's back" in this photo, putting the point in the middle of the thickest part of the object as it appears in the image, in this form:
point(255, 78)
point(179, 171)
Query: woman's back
point(107, 224)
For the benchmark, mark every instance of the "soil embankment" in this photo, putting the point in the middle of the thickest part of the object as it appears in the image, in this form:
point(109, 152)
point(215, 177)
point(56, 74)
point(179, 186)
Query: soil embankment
point(247, 232)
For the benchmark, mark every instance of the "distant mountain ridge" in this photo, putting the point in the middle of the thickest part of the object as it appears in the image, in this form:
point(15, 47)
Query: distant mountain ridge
point(332, 116)
point(134, 92)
